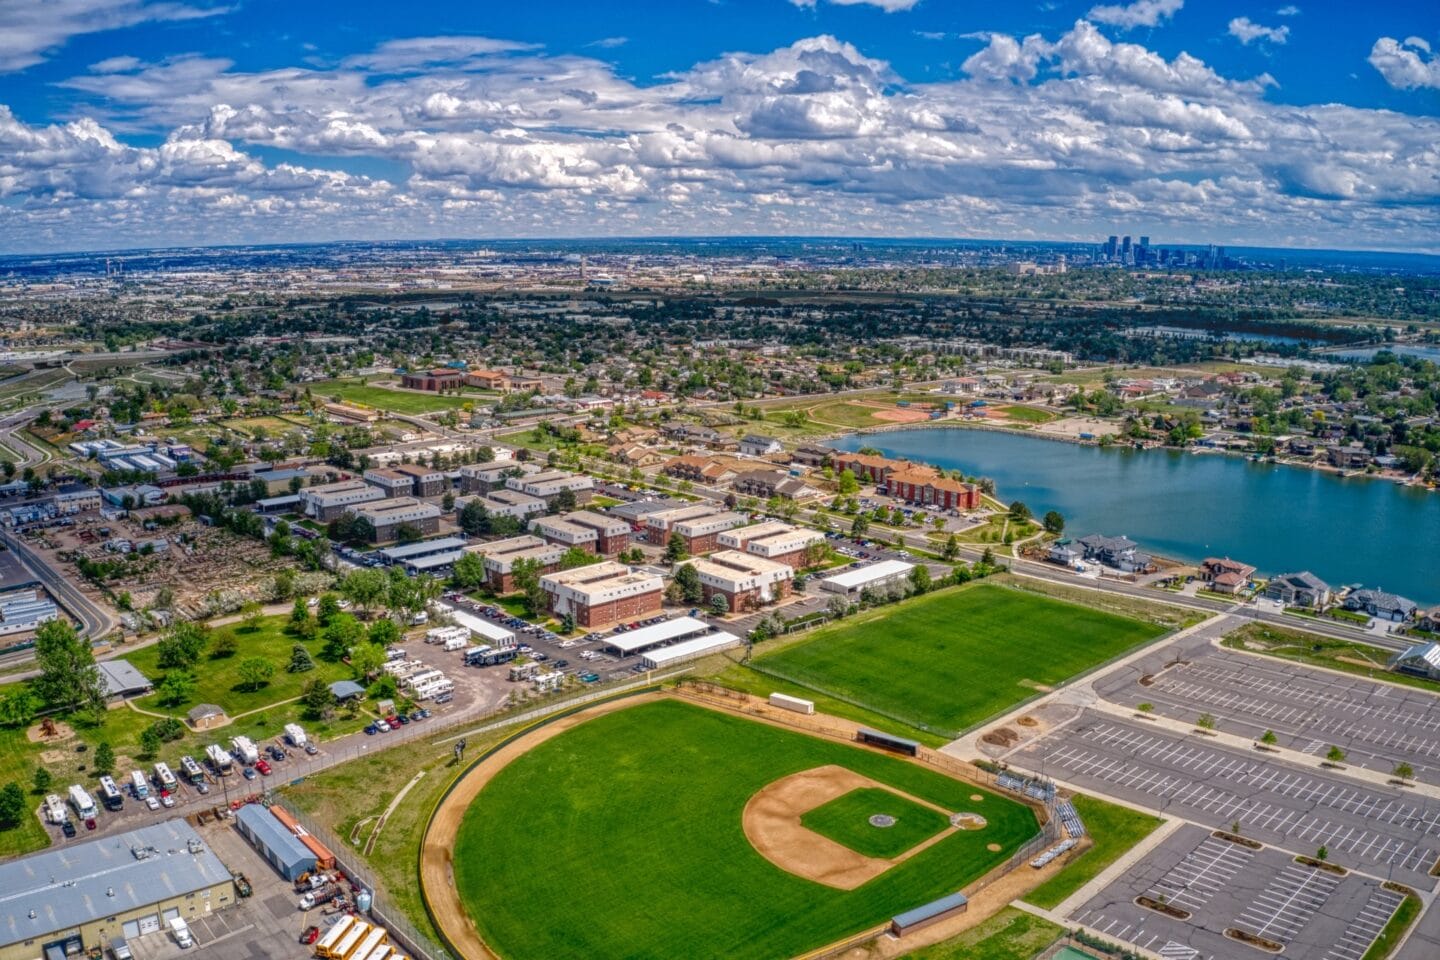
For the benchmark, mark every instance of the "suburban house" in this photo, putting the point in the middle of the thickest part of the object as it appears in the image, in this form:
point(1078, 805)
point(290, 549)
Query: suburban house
point(692, 433)
point(744, 580)
point(634, 455)
point(1378, 603)
point(1225, 575)
point(1302, 589)
point(1122, 553)
point(1421, 660)
point(1348, 456)
point(699, 469)
point(811, 455)
point(757, 445)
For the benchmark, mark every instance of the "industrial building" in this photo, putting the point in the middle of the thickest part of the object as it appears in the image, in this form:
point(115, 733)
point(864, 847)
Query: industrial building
point(388, 516)
point(331, 500)
point(80, 897)
point(603, 593)
point(270, 838)
point(501, 555)
point(876, 576)
point(744, 581)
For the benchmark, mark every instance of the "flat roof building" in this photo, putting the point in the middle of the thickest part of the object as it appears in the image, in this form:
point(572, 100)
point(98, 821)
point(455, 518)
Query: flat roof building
point(744, 581)
point(780, 542)
point(484, 477)
point(660, 521)
point(603, 593)
point(501, 555)
point(874, 576)
point(551, 483)
point(687, 650)
point(79, 897)
point(387, 516)
point(604, 535)
point(330, 500)
point(503, 502)
point(702, 534)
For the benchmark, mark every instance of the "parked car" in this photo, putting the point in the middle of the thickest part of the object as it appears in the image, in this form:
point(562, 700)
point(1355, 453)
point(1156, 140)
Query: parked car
point(67, 828)
point(248, 772)
point(166, 800)
point(152, 802)
point(263, 767)
point(276, 753)
point(371, 730)
point(311, 934)
point(310, 748)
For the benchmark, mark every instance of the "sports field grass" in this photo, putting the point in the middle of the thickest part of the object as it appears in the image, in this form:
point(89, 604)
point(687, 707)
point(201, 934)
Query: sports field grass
point(1116, 829)
point(846, 820)
point(947, 661)
point(623, 837)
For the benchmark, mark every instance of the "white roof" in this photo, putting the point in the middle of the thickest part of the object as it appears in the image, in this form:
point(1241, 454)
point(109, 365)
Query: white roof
point(1428, 652)
point(484, 628)
point(443, 545)
point(690, 649)
point(862, 576)
point(634, 640)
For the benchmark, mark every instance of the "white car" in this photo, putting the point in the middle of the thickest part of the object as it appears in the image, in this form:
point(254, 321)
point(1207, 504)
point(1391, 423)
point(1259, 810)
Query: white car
point(167, 801)
point(152, 802)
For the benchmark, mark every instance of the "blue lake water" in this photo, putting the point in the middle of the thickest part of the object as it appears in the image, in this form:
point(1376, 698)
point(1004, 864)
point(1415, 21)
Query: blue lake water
point(1189, 506)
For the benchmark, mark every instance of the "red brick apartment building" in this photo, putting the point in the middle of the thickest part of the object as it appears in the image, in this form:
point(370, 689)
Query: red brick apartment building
point(602, 594)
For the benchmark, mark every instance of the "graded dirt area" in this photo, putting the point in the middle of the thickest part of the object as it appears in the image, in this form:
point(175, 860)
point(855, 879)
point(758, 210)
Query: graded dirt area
point(772, 825)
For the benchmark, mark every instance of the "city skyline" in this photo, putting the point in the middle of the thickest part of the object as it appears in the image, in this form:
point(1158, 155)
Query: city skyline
point(131, 124)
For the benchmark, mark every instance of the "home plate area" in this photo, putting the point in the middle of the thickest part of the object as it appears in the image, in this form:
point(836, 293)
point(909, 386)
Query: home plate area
point(837, 827)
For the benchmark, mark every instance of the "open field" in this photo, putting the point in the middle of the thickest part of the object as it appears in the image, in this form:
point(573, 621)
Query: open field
point(948, 660)
point(382, 398)
point(1164, 615)
point(1025, 414)
point(1361, 659)
point(623, 835)
point(1115, 830)
point(1012, 934)
point(270, 426)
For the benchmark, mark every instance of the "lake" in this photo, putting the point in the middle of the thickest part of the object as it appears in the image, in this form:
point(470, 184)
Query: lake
point(1190, 506)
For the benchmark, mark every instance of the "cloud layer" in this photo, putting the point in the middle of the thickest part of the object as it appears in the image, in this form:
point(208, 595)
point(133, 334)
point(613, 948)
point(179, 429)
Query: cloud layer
point(1041, 136)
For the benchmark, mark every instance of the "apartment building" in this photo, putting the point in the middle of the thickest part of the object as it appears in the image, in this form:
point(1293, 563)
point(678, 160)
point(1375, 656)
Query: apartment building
point(603, 593)
point(331, 500)
point(744, 580)
point(388, 516)
point(501, 556)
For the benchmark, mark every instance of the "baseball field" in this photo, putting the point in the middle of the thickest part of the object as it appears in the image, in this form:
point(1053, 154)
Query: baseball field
point(659, 830)
point(949, 660)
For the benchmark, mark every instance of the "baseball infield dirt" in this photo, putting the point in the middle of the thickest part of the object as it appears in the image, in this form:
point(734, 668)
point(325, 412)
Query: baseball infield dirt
point(772, 825)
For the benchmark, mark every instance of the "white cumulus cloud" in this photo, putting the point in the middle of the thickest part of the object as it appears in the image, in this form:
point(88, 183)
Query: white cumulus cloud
point(1245, 30)
point(1141, 13)
point(30, 29)
point(1408, 65)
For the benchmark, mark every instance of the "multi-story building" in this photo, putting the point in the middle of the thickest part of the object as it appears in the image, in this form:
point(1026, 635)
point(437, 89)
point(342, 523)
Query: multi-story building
point(595, 532)
point(329, 501)
point(701, 534)
point(659, 522)
point(924, 487)
point(424, 481)
point(603, 593)
point(501, 556)
point(391, 481)
point(549, 484)
point(744, 580)
point(506, 503)
point(773, 483)
point(484, 477)
point(875, 469)
point(440, 378)
point(779, 542)
point(388, 516)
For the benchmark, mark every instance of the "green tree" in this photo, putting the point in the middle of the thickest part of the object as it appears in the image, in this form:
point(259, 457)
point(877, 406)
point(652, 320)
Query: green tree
point(688, 580)
point(69, 678)
point(847, 485)
point(316, 697)
point(149, 742)
point(42, 780)
point(327, 609)
point(300, 612)
point(920, 578)
point(342, 633)
point(254, 673)
point(181, 646)
point(951, 549)
point(1054, 523)
point(12, 806)
point(364, 587)
point(18, 706)
point(469, 571)
point(224, 645)
point(365, 661)
point(1019, 512)
point(577, 557)
point(1335, 755)
point(1403, 771)
point(1206, 721)
point(176, 687)
point(718, 605)
point(383, 632)
point(676, 549)
point(104, 758)
point(859, 527)
point(300, 660)
point(1269, 739)
point(250, 616)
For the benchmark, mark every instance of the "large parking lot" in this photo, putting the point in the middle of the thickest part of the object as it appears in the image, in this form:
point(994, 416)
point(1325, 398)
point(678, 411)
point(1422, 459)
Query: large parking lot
point(1217, 885)
point(1378, 725)
point(1382, 830)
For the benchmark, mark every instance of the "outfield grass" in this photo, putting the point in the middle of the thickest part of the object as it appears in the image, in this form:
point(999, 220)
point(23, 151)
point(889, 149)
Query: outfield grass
point(623, 837)
point(382, 398)
point(846, 820)
point(1115, 829)
point(949, 660)
point(1012, 934)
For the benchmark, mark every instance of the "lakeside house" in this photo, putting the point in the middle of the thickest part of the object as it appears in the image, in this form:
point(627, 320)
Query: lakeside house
point(1378, 603)
point(1302, 589)
point(1224, 575)
point(1122, 553)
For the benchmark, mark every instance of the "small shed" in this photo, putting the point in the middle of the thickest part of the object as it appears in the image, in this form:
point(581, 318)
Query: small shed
point(281, 848)
point(347, 690)
point(932, 912)
point(206, 716)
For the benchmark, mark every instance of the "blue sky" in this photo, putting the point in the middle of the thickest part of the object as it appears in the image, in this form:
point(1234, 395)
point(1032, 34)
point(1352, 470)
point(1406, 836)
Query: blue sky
point(137, 122)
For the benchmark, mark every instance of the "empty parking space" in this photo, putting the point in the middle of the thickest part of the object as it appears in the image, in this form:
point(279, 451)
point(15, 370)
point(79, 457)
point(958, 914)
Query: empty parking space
point(1264, 892)
point(1298, 809)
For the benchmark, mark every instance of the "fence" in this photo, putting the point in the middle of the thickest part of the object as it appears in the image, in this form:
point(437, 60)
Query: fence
point(416, 944)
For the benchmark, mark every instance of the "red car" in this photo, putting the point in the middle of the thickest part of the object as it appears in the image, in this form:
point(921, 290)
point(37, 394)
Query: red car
point(263, 767)
point(310, 935)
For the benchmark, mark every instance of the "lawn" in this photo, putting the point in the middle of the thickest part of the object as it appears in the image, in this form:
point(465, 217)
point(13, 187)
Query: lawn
point(1361, 659)
point(623, 836)
point(1012, 934)
point(950, 660)
point(1026, 414)
point(846, 820)
point(1116, 829)
point(218, 681)
point(382, 398)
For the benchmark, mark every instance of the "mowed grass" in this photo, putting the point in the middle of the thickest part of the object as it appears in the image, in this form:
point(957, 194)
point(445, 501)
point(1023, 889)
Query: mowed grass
point(947, 661)
point(382, 398)
point(1116, 829)
point(846, 820)
point(623, 837)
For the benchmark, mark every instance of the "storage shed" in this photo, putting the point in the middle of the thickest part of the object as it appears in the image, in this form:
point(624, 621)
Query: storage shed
point(206, 716)
point(932, 912)
point(279, 846)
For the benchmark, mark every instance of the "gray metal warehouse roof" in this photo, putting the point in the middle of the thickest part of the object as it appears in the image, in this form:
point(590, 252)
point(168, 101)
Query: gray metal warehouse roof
point(122, 677)
point(259, 821)
point(73, 885)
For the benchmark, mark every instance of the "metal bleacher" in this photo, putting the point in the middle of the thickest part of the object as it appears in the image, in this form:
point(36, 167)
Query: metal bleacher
point(1073, 825)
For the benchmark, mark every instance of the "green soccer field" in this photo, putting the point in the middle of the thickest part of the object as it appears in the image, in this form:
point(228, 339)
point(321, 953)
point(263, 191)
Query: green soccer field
point(623, 837)
point(949, 660)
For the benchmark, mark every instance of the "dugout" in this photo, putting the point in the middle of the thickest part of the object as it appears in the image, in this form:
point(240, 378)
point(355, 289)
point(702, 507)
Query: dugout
point(933, 912)
point(887, 741)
